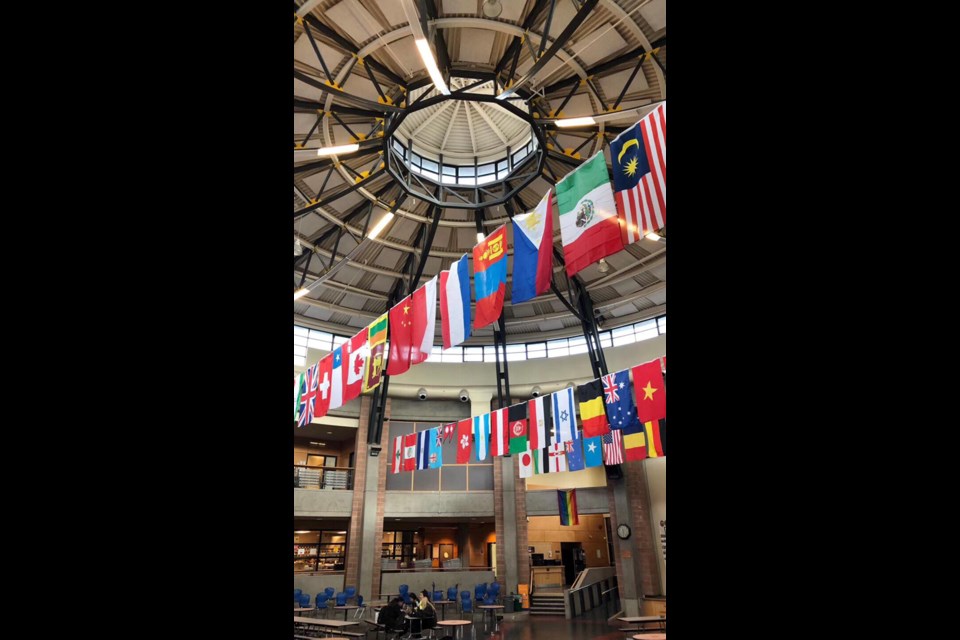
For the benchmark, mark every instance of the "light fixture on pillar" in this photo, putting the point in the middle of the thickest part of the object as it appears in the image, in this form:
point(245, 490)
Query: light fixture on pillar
point(603, 266)
point(492, 8)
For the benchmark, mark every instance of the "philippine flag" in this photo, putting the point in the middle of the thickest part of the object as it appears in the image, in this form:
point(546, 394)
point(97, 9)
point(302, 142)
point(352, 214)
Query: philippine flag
point(490, 276)
point(533, 250)
point(455, 303)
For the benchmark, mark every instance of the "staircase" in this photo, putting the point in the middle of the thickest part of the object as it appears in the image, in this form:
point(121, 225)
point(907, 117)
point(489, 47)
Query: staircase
point(546, 604)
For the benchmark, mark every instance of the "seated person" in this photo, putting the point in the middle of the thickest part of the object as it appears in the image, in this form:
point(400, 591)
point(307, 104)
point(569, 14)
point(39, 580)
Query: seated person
point(426, 610)
point(392, 617)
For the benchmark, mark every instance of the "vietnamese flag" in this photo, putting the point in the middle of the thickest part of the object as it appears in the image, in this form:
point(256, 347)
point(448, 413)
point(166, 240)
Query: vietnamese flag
point(490, 276)
point(649, 390)
point(464, 428)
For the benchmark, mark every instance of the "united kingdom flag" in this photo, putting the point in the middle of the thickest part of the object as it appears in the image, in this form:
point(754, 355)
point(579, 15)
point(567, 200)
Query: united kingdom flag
point(610, 388)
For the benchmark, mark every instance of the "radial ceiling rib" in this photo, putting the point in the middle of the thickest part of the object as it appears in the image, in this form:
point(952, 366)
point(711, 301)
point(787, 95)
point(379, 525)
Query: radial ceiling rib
point(453, 119)
point(487, 119)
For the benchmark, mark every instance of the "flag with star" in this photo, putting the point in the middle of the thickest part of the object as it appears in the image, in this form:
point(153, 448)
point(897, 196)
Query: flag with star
point(464, 438)
point(618, 402)
point(639, 156)
point(564, 417)
point(593, 451)
point(591, 409)
point(574, 454)
point(612, 447)
point(650, 392)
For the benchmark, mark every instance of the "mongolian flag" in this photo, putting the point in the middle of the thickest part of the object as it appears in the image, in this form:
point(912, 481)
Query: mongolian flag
point(490, 277)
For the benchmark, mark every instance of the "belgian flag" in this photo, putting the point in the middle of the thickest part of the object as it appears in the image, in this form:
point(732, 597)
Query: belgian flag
point(592, 412)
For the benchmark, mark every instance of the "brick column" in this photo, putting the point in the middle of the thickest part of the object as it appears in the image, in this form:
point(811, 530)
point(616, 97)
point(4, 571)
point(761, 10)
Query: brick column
point(635, 558)
point(523, 558)
point(498, 490)
point(355, 531)
point(386, 459)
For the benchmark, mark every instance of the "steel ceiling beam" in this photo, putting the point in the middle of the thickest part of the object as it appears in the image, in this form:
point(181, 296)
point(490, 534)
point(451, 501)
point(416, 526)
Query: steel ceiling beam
point(336, 196)
point(601, 69)
point(561, 40)
point(515, 44)
point(340, 94)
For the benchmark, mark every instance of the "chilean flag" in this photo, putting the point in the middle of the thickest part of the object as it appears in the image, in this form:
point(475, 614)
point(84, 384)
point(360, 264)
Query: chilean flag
point(455, 303)
point(490, 276)
point(533, 251)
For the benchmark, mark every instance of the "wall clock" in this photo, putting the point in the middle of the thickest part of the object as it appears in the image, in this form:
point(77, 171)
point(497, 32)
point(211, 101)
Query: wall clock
point(623, 531)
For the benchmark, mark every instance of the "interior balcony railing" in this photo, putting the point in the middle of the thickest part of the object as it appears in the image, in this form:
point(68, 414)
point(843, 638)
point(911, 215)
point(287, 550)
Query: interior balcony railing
point(308, 477)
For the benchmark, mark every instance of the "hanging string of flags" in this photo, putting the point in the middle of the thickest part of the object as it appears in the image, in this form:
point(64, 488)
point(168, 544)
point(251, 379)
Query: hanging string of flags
point(622, 420)
point(597, 219)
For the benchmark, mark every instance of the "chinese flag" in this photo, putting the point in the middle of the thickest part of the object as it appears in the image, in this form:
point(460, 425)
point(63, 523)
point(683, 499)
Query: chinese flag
point(649, 390)
point(401, 337)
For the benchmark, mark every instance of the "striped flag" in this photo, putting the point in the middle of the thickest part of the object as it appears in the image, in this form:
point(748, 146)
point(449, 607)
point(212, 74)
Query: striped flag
point(517, 415)
point(499, 432)
point(558, 457)
point(613, 447)
point(397, 453)
point(481, 434)
point(455, 303)
point(639, 157)
point(539, 412)
point(376, 341)
point(567, 503)
point(656, 431)
point(423, 449)
point(564, 416)
point(592, 415)
point(410, 452)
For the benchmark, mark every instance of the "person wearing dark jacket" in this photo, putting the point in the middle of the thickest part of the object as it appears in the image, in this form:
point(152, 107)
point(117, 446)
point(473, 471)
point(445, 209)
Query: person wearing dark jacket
point(392, 616)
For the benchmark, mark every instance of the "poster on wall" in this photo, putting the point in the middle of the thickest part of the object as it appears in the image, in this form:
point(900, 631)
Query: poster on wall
point(663, 538)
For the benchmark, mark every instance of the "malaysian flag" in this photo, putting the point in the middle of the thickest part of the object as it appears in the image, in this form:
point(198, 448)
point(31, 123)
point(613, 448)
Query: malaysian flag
point(639, 157)
point(613, 447)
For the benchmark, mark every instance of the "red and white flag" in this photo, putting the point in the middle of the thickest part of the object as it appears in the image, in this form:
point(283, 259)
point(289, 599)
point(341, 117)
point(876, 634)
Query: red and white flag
point(499, 432)
point(412, 327)
point(397, 453)
point(539, 412)
point(639, 157)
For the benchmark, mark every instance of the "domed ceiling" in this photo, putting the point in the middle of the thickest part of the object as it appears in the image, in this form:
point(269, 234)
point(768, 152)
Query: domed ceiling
point(357, 70)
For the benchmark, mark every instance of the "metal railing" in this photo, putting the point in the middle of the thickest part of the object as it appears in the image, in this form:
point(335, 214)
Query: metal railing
point(307, 477)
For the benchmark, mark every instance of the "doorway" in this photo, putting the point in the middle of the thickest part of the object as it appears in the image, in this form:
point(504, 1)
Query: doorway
point(492, 556)
point(570, 555)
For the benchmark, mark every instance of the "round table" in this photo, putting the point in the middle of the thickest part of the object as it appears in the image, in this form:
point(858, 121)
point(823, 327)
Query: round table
point(650, 636)
point(492, 608)
point(459, 624)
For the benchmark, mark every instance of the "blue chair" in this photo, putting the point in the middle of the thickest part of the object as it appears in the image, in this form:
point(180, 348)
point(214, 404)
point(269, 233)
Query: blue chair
point(452, 594)
point(480, 591)
point(437, 595)
point(330, 591)
point(321, 601)
point(404, 589)
point(304, 599)
point(351, 592)
point(341, 599)
point(466, 604)
point(495, 591)
point(296, 595)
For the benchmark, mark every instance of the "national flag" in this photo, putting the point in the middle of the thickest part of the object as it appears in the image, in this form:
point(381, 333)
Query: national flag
point(435, 460)
point(634, 441)
point(499, 432)
point(424, 442)
point(591, 409)
point(650, 392)
point(525, 463)
point(567, 503)
point(463, 441)
point(313, 380)
point(397, 453)
point(357, 354)
point(574, 450)
point(490, 276)
point(410, 452)
point(564, 417)
point(558, 457)
point(589, 228)
point(449, 431)
point(322, 403)
point(539, 410)
point(336, 379)
point(376, 341)
point(618, 401)
point(517, 417)
point(541, 460)
point(593, 451)
point(455, 303)
point(612, 447)
point(656, 431)
point(299, 388)
point(412, 326)
point(533, 251)
point(302, 409)
point(481, 433)
point(639, 157)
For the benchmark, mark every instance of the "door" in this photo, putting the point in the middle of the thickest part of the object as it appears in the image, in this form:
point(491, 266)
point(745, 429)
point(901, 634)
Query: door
point(492, 556)
point(570, 556)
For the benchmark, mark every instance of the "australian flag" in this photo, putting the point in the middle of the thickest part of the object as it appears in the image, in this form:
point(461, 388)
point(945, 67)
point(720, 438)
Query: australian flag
point(618, 401)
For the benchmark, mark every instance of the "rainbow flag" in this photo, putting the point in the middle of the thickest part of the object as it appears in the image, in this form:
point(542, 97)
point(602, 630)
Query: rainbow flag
point(567, 500)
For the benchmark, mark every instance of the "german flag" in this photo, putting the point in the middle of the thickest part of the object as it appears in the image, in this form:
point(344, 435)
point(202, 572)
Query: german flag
point(656, 432)
point(592, 412)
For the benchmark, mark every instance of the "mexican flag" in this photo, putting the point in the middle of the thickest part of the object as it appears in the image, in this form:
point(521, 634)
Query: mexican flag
point(589, 228)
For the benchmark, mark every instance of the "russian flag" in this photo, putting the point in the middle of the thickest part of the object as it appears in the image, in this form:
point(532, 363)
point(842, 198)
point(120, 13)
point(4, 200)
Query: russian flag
point(455, 303)
point(490, 276)
point(533, 251)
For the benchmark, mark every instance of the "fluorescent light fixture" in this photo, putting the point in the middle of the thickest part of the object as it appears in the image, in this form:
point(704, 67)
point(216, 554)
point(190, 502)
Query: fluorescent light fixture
point(380, 225)
point(319, 444)
point(480, 236)
point(424, 47)
point(492, 8)
point(575, 122)
point(303, 532)
point(337, 151)
point(652, 236)
point(299, 293)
